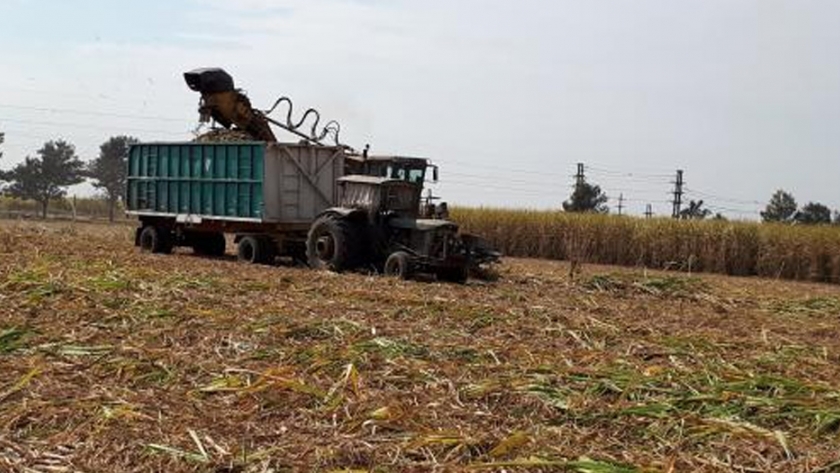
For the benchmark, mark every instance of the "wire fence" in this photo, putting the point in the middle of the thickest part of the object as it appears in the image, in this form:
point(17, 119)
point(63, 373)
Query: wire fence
point(78, 209)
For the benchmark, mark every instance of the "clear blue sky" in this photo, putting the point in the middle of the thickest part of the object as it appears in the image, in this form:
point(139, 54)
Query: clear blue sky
point(507, 96)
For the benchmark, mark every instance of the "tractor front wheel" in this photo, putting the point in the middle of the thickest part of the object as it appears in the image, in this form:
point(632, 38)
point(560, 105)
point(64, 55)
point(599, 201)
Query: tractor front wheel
point(399, 265)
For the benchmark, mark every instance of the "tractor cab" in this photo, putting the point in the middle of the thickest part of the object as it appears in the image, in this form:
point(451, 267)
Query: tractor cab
point(400, 168)
point(379, 195)
point(413, 170)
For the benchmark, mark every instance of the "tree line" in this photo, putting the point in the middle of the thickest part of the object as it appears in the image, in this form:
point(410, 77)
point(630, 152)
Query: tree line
point(782, 207)
point(56, 166)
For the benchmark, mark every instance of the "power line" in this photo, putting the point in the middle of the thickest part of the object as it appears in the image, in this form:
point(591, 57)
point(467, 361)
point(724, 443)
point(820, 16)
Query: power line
point(613, 175)
point(496, 187)
point(15, 134)
point(506, 179)
point(552, 185)
point(639, 180)
point(629, 199)
point(722, 198)
point(92, 113)
point(62, 93)
point(619, 172)
point(502, 168)
point(627, 175)
point(546, 184)
point(733, 210)
point(88, 126)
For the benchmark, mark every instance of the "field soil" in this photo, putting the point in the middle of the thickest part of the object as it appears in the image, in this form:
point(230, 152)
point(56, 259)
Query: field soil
point(113, 360)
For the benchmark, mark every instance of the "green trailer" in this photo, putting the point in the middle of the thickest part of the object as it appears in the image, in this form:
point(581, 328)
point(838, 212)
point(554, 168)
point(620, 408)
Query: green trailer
point(191, 194)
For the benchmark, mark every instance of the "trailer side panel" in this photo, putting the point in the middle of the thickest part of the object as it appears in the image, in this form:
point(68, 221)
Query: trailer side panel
point(253, 181)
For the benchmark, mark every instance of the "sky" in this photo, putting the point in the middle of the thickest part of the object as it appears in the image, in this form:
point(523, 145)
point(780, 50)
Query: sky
point(505, 96)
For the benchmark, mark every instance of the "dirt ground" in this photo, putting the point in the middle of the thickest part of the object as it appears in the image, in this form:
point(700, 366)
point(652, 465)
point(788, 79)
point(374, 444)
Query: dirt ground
point(113, 360)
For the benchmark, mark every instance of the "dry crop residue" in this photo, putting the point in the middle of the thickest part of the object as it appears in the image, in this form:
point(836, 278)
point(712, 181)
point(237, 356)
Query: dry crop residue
point(114, 360)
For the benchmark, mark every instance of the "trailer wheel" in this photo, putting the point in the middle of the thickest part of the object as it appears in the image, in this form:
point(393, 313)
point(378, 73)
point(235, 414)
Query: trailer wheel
point(399, 264)
point(457, 275)
point(255, 250)
point(333, 243)
point(209, 244)
point(155, 240)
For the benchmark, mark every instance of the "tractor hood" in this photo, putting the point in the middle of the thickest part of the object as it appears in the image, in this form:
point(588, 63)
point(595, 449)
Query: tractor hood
point(422, 224)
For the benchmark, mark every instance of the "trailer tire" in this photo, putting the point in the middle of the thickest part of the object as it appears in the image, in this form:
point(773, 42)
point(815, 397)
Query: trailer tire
point(268, 250)
point(456, 275)
point(399, 265)
point(255, 250)
point(209, 244)
point(155, 240)
point(334, 243)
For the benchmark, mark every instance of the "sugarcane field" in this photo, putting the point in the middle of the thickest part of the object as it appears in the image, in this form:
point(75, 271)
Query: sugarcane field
point(115, 360)
point(476, 236)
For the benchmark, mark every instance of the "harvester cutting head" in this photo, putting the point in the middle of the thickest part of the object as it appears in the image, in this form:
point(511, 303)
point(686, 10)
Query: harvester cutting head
point(225, 104)
point(228, 106)
point(210, 81)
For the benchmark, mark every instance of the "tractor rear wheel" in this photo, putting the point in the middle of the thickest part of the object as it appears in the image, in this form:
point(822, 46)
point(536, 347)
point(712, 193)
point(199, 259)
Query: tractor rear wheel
point(334, 243)
point(399, 265)
point(155, 240)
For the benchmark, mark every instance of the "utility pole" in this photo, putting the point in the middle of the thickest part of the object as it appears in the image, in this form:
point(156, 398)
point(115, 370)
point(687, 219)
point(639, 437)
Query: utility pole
point(620, 204)
point(649, 211)
point(580, 178)
point(678, 193)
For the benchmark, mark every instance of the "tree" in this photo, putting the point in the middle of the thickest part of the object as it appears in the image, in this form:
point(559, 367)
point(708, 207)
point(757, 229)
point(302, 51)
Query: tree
point(45, 177)
point(109, 169)
point(695, 211)
point(586, 198)
point(814, 213)
point(836, 217)
point(781, 208)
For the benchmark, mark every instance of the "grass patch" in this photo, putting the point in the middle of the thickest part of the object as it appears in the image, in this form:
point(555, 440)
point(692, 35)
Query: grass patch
point(811, 306)
point(323, 330)
point(12, 339)
point(667, 286)
point(392, 348)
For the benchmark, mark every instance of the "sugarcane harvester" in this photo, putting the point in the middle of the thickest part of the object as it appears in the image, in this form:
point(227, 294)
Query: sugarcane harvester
point(317, 201)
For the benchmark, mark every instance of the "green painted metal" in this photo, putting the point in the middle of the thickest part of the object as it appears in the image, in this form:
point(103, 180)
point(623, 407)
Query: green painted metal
point(219, 179)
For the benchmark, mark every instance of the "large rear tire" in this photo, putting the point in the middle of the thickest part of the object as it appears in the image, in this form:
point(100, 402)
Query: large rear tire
point(335, 244)
point(155, 240)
